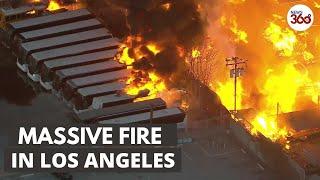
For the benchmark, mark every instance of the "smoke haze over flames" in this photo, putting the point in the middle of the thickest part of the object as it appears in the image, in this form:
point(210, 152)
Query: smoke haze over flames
point(155, 36)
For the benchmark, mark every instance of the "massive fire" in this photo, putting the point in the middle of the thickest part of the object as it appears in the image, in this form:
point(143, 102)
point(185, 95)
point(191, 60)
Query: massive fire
point(282, 66)
point(268, 126)
point(282, 69)
point(139, 81)
point(283, 40)
point(225, 90)
point(284, 88)
point(133, 50)
point(240, 35)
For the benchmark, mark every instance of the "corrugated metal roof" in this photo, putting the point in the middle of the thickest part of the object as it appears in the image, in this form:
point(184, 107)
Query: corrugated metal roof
point(108, 65)
point(64, 40)
point(101, 89)
point(171, 115)
point(20, 10)
point(121, 110)
point(301, 120)
point(60, 29)
point(98, 78)
point(49, 19)
point(79, 59)
point(76, 49)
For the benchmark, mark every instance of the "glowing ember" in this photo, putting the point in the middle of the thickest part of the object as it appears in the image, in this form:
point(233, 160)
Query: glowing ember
point(53, 5)
point(31, 12)
point(287, 147)
point(195, 53)
point(153, 48)
point(181, 52)
point(166, 6)
point(184, 105)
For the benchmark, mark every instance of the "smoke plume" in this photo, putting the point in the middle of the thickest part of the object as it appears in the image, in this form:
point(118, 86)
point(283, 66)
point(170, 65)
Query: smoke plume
point(174, 26)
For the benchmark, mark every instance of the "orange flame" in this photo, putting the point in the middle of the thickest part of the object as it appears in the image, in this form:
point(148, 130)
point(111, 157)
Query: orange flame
point(195, 53)
point(53, 5)
point(282, 63)
point(226, 94)
point(141, 80)
point(283, 40)
point(153, 48)
point(151, 82)
point(268, 126)
point(166, 6)
point(240, 35)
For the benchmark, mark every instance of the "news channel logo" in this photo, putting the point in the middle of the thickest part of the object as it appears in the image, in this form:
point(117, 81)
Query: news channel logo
point(300, 17)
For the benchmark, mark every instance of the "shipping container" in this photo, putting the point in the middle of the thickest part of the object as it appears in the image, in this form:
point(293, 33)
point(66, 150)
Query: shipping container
point(84, 96)
point(48, 68)
point(59, 30)
point(35, 60)
point(61, 41)
point(63, 75)
point(46, 21)
point(73, 84)
point(162, 116)
point(121, 110)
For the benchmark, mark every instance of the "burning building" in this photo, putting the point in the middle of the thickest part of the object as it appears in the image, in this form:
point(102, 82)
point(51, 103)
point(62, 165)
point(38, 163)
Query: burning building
point(164, 40)
point(280, 75)
point(176, 50)
point(158, 40)
point(167, 43)
point(281, 82)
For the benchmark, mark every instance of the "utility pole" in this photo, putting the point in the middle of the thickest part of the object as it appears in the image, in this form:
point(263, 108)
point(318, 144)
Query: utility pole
point(237, 68)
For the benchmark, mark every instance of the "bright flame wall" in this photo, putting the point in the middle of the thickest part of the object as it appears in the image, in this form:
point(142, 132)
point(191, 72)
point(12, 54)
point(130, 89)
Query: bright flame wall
point(282, 63)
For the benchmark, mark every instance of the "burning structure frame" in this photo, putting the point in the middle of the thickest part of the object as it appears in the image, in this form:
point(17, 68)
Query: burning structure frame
point(296, 156)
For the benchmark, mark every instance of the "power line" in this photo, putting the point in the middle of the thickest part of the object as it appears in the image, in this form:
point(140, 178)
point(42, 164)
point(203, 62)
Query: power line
point(237, 69)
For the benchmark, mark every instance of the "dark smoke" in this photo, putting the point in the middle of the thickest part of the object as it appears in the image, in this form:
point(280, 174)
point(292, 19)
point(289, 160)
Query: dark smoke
point(181, 26)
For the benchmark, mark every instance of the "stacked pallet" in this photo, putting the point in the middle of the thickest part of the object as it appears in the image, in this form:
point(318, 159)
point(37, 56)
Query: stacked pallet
point(72, 54)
